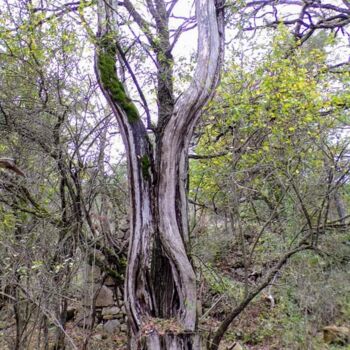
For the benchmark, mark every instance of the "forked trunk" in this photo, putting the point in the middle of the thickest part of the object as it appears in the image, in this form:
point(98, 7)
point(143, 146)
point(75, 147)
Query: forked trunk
point(160, 286)
point(160, 282)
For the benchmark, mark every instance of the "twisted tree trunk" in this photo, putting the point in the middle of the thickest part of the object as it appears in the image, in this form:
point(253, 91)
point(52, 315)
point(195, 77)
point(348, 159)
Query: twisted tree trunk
point(160, 287)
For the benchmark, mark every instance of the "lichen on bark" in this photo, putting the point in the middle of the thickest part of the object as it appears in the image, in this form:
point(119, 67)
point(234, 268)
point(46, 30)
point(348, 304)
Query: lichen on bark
point(110, 81)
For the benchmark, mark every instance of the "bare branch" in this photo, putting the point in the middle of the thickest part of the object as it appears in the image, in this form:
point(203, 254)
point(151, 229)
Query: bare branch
point(9, 164)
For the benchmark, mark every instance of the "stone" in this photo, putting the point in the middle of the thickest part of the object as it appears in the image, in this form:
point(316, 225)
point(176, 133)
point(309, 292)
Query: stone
point(98, 337)
point(109, 317)
point(99, 327)
point(123, 309)
point(104, 297)
point(124, 328)
point(113, 310)
point(111, 326)
point(336, 335)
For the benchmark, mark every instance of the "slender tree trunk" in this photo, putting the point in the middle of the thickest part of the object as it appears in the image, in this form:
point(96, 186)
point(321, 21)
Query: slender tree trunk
point(340, 206)
point(60, 335)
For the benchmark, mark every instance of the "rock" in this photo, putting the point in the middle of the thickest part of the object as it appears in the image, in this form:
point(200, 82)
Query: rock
point(114, 310)
point(336, 335)
point(98, 337)
point(104, 297)
point(109, 317)
point(111, 326)
point(99, 327)
point(124, 328)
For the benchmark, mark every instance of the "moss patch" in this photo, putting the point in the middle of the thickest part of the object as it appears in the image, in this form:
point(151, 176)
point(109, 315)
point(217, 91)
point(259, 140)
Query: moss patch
point(145, 165)
point(106, 66)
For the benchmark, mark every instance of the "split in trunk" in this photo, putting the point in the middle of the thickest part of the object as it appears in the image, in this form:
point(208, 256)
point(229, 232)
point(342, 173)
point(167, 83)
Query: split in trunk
point(160, 287)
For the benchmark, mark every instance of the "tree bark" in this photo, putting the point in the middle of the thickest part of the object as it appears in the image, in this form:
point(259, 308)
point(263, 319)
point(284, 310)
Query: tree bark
point(160, 286)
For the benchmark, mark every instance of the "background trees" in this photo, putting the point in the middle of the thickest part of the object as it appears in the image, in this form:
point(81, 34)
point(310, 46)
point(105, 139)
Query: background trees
point(50, 128)
point(262, 165)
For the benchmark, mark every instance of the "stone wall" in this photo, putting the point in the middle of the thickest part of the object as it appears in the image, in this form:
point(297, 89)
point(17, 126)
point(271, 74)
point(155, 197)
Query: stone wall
point(102, 304)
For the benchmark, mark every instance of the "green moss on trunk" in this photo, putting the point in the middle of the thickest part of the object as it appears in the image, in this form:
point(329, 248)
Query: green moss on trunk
point(145, 165)
point(110, 81)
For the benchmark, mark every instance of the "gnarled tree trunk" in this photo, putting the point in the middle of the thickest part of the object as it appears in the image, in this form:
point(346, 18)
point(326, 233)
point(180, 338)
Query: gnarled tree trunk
point(160, 287)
